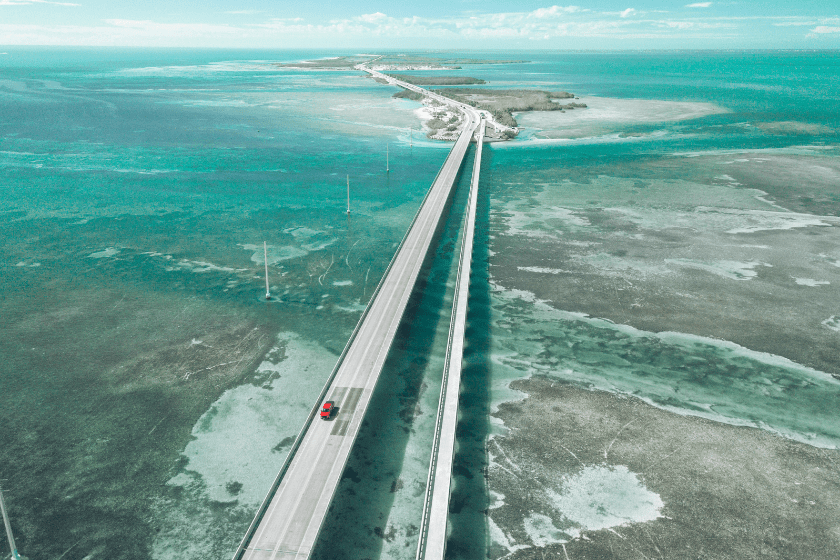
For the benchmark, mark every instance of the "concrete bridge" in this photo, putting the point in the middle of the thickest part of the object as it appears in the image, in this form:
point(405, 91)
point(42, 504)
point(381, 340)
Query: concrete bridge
point(289, 520)
point(433, 525)
point(463, 107)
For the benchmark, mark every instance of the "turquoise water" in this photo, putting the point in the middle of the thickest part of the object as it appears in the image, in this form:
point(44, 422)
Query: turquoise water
point(137, 189)
point(676, 242)
point(150, 392)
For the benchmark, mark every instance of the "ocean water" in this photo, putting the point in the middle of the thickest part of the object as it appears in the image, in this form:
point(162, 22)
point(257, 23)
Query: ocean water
point(148, 393)
point(148, 390)
point(686, 222)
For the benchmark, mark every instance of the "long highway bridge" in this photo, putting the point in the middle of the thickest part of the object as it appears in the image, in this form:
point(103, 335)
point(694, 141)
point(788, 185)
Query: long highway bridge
point(289, 520)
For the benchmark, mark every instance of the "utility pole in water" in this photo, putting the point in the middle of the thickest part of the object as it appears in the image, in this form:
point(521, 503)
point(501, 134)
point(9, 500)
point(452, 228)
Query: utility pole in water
point(265, 254)
point(15, 555)
point(387, 165)
point(348, 194)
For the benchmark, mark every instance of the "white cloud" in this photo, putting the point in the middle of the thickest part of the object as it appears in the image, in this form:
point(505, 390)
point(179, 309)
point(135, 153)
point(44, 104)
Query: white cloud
point(699, 5)
point(515, 26)
point(152, 29)
point(26, 2)
point(551, 27)
point(794, 23)
point(555, 11)
point(131, 23)
point(378, 17)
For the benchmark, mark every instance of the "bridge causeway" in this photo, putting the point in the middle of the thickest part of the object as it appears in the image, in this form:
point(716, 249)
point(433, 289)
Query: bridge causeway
point(289, 520)
point(434, 522)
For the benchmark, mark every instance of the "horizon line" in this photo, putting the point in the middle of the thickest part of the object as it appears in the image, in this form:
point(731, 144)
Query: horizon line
point(436, 50)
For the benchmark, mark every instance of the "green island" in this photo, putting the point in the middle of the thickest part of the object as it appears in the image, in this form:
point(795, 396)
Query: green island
point(393, 62)
point(502, 103)
point(333, 63)
point(438, 80)
point(421, 62)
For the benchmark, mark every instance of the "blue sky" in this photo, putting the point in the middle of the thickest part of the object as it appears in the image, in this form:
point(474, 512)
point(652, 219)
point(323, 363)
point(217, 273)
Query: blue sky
point(477, 24)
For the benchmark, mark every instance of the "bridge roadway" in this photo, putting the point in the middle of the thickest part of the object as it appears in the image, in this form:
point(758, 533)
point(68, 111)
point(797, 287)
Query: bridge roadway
point(463, 107)
point(434, 521)
point(288, 522)
point(468, 110)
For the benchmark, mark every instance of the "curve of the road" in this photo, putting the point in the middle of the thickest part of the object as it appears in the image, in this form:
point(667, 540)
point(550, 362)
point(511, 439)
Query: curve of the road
point(471, 112)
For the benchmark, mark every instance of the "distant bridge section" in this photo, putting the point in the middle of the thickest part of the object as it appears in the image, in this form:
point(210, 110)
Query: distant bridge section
point(463, 107)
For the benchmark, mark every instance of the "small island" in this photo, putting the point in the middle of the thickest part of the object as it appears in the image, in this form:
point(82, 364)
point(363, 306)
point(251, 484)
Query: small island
point(442, 120)
point(502, 103)
point(391, 62)
point(438, 80)
point(331, 63)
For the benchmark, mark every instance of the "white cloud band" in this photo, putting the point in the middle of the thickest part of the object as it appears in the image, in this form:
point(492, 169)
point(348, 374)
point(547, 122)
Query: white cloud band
point(543, 26)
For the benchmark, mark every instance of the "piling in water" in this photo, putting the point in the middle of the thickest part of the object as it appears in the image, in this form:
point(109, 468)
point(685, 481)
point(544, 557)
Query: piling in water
point(8, 524)
point(265, 254)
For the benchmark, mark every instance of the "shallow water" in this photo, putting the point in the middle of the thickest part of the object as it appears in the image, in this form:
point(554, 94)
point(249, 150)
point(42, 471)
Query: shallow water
point(677, 242)
point(685, 262)
point(143, 374)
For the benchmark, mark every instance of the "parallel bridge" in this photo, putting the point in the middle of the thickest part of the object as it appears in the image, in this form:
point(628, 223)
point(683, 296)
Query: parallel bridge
point(433, 525)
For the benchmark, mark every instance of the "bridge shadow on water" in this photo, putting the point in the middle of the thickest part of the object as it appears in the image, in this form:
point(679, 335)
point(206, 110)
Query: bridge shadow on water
point(365, 521)
point(469, 501)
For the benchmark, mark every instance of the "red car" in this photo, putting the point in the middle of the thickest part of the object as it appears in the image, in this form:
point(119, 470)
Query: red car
point(327, 410)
